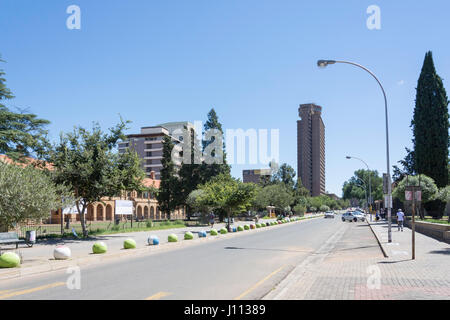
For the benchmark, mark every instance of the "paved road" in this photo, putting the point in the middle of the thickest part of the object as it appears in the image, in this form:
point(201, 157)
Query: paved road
point(243, 267)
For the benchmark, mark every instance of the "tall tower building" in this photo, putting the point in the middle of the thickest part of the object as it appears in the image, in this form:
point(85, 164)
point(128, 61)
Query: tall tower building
point(311, 148)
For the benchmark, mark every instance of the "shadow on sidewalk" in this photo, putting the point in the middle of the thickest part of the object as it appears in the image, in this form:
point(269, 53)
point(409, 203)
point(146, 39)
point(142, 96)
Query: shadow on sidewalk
point(444, 251)
point(397, 261)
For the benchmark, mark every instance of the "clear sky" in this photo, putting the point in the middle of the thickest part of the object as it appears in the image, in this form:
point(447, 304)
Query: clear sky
point(253, 61)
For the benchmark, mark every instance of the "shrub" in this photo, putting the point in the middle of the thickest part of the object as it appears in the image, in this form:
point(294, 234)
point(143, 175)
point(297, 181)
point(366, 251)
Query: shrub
point(149, 224)
point(300, 210)
point(213, 232)
point(188, 236)
point(246, 227)
point(240, 228)
point(223, 231)
point(324, 208)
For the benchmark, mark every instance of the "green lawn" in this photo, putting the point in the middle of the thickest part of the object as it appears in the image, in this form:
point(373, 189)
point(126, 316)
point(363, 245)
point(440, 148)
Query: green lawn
point(441, 221)
point(100, 228)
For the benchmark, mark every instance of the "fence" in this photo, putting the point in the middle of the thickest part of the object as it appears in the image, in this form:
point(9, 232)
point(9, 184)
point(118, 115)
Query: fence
point(49, 230)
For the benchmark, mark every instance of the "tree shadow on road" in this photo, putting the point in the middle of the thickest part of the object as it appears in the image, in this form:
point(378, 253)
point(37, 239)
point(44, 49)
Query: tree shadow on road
point(262, 249)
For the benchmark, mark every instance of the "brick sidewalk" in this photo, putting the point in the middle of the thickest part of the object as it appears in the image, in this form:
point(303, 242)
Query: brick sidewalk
point(350, 266)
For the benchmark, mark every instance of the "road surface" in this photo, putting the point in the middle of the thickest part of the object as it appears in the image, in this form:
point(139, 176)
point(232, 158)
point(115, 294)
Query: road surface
point(246, 267)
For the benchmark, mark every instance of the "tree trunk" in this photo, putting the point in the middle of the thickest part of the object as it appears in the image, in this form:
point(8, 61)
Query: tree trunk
point(82, 218)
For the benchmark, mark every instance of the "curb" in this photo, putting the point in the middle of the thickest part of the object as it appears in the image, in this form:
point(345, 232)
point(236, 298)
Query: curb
point(383, 249)
point(93, 259)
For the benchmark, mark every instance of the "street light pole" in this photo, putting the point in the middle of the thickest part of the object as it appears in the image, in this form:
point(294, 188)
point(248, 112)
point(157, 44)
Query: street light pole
point(365, 190)
point(370, 184)
point(324, 63)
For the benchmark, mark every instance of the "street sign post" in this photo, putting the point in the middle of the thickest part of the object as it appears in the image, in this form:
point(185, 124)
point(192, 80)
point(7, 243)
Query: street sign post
point(413, 194)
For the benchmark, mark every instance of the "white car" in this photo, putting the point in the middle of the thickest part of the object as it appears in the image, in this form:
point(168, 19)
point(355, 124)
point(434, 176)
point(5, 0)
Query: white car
point(353, 216)
point(329, 214)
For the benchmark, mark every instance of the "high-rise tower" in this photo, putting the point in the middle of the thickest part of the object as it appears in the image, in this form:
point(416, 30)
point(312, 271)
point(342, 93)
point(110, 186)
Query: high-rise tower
point(311, 148)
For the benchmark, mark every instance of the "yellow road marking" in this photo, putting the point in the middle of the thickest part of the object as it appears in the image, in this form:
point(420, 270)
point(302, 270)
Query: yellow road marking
point(26, 291)
point(259, 283)
point(158, 296)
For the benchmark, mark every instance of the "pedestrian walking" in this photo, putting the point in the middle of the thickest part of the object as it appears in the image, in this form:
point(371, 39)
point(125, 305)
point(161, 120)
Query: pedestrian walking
point(211, 219)
point(400, 218)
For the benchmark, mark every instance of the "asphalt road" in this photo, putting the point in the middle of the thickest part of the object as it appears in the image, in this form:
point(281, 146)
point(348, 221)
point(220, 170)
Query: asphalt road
point(243, 267)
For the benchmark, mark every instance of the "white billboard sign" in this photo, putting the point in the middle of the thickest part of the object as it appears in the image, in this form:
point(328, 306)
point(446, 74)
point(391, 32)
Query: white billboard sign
point(124, 207)
point(71, 210)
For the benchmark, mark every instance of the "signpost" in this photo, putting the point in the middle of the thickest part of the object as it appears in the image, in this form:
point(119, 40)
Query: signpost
point(413, 194)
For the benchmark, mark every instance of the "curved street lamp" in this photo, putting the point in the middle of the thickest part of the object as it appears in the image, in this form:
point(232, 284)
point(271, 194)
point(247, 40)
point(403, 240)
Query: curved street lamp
point(323, 64)
point(365, 188)
point(370, 184)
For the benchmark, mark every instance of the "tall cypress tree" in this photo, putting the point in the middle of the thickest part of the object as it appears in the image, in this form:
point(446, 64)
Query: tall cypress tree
point(168, 194)
point(212, 170)
point(430, 126)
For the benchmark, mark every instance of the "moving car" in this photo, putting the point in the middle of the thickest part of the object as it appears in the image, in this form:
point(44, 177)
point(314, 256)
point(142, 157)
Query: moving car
point(353, 216)
point(329, 214)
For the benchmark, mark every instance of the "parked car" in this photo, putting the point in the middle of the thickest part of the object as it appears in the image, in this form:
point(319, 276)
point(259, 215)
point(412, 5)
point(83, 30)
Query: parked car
point(329, 214)
point(353, 216)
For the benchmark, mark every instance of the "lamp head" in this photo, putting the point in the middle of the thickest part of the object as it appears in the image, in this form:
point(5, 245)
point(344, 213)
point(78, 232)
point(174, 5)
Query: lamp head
point(324, 63)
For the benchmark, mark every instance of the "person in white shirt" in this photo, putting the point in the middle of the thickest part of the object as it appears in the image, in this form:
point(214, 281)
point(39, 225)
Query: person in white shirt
point(400, 218)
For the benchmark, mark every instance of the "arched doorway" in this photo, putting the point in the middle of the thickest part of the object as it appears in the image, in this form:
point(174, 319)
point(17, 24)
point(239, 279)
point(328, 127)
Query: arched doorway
point(90, 213)
point(99, 212)
point(109, 212)
point(152, 213)
point(158, 213)
point(145, 212)
point(139, 212)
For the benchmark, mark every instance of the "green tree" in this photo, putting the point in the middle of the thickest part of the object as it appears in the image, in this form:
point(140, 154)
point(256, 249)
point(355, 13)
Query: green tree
point(21, 133)
point(408, 165)
point(170, 188)
point(428, 187)
point(84, 161)
point(276, 195)
point(354, 188)
point(285, 175)
point(228, 194)
point(190, 172)
point(211, 170)
point(27, 193)
point(430, 126)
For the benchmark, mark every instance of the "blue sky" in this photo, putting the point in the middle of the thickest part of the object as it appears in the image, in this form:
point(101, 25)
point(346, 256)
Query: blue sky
point(253, 61)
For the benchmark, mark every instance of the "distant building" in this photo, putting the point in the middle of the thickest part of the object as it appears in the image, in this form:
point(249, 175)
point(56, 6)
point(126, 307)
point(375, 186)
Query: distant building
point(148, 144)
point(256, 175)
point(333, 196)
point(311, 148)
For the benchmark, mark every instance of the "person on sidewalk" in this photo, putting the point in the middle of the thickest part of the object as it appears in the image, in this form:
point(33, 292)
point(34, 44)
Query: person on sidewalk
point(211, 219)
point(400, 218)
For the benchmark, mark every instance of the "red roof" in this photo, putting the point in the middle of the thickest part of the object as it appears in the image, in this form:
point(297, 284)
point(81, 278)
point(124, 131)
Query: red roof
point(27, 160)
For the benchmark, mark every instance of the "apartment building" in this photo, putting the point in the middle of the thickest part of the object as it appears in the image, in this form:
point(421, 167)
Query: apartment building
point(148, 144)
point(311, 148)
